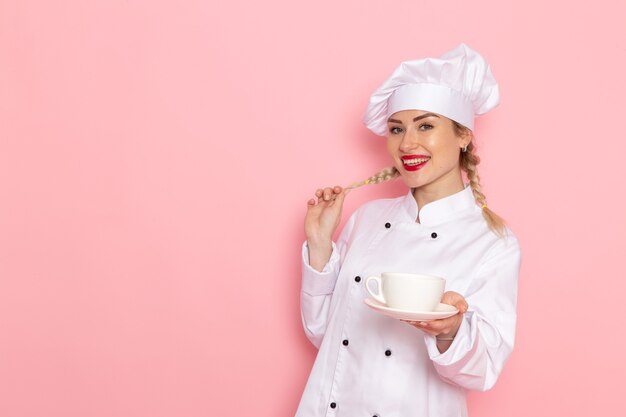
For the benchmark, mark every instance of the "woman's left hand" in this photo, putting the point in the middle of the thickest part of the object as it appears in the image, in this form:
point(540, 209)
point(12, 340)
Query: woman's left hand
point(445, 327)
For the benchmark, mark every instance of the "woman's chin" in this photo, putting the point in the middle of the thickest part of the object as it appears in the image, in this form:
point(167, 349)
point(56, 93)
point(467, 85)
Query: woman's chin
point(410, 181)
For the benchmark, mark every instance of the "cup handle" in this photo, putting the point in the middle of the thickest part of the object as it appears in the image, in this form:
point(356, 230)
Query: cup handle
point(378, 297)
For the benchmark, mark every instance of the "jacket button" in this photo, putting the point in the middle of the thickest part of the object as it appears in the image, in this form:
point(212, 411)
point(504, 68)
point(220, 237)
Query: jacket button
point(387, 352)
point(387, 225)
point(345, 342)
point(433, 235)
point(333, 405)
point(357, 278)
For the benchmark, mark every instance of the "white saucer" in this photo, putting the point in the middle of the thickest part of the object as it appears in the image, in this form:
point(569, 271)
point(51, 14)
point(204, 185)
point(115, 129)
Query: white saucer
point(442, 311)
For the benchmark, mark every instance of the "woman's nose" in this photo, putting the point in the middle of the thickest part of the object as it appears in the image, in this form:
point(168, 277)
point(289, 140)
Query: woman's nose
point(409, 141)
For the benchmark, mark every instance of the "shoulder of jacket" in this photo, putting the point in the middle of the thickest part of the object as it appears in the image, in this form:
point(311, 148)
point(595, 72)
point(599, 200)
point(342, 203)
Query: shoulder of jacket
point(508, 243)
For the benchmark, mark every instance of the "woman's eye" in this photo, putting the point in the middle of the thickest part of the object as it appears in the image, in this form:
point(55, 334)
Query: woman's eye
point(426, 126)
point(394, 130)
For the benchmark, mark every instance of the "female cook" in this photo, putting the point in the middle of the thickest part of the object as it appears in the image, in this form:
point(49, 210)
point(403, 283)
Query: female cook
point(369, 364)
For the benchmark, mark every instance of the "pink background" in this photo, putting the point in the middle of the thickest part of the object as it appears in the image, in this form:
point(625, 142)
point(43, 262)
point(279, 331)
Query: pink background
point(155, 162)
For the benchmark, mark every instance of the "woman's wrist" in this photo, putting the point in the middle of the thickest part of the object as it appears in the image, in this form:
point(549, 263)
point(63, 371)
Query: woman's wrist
point(319, 246)
point(318, 240)
point(444, 343)
point(449, 337)
point(319, 253)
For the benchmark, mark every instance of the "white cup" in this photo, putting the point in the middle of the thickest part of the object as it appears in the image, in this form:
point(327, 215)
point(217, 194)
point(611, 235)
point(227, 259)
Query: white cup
point(409, 292)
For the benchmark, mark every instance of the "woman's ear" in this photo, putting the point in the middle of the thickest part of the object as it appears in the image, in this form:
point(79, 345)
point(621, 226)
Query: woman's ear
point(465, 138)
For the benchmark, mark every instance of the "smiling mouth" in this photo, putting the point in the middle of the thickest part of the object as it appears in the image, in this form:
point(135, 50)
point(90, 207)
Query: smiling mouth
point(414, 161)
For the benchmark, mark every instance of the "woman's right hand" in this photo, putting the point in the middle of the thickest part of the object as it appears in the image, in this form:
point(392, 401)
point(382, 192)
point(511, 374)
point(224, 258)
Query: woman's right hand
point(322, 218)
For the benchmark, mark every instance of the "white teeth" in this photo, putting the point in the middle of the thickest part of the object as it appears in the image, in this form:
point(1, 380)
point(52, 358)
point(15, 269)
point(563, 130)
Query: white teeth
point(415, 161)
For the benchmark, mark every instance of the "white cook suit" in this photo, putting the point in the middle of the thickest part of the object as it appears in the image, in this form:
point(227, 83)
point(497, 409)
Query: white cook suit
point(369, 364)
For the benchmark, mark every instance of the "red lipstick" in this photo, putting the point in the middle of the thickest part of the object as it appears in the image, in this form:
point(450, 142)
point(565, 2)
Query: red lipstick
point(414, 162)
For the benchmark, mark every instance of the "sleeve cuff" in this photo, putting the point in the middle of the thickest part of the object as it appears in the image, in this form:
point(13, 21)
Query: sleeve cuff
point(315, 282)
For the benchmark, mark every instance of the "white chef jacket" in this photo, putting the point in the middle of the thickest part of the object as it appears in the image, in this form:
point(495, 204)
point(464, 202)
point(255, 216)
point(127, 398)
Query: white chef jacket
point(369, 364)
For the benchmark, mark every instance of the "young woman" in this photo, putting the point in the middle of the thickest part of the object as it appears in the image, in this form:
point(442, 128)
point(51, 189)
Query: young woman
point(369, 364)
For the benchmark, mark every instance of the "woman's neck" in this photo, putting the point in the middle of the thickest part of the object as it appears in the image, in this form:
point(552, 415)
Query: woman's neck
point(433, 192)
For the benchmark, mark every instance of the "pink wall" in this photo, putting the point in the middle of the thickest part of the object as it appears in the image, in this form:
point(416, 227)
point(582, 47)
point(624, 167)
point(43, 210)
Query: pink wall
point(155, 162)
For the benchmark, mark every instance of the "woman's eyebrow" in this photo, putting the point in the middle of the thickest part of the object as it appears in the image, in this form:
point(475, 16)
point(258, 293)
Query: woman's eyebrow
point(415, 119)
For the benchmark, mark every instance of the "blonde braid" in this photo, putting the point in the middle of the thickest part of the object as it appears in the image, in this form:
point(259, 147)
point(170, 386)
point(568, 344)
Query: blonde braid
point(469, 161)
point(383, 175)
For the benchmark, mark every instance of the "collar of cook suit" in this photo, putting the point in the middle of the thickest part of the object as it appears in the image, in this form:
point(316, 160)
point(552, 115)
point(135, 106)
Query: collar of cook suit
point(440, 210)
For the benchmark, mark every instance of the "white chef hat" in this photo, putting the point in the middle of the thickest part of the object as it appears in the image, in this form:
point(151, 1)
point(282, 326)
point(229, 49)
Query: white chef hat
point(458, 85)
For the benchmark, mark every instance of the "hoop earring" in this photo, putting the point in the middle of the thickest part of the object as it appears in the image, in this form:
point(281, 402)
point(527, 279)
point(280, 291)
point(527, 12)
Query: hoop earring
point(465, 148)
